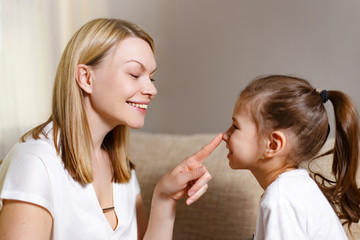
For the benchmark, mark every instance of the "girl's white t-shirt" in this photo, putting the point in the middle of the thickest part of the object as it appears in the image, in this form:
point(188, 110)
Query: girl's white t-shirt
point(293, 207)
point(33, 172)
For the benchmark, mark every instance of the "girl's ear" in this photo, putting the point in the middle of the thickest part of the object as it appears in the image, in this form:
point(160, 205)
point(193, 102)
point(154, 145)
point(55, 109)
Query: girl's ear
point(275, 144)
point(83, 78)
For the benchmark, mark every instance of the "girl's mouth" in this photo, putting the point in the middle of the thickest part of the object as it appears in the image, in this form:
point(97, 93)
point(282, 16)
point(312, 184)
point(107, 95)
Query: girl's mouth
point(229, 154)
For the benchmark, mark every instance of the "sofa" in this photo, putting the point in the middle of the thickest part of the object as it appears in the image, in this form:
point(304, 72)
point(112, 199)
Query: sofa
point(229, 208)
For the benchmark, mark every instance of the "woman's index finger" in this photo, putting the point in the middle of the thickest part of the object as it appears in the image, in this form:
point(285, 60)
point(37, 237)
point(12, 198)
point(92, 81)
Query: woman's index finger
point(205, 151)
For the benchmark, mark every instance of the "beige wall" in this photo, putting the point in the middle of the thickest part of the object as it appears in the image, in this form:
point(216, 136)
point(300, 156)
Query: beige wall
point(206, 51)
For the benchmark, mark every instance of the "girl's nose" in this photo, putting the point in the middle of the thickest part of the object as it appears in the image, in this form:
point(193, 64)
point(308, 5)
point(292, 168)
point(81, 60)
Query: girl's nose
point(226, 135)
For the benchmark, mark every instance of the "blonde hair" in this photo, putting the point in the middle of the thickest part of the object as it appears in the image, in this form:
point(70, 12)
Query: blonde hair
point(89, 45)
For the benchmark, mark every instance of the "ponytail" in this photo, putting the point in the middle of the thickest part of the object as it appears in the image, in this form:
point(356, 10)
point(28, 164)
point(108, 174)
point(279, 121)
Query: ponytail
point(343, 193)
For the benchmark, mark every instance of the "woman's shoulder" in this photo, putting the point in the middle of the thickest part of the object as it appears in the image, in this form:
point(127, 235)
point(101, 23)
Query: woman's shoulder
point(133, 180)
point(132, 185)
point(36, 147)
point(31, 148)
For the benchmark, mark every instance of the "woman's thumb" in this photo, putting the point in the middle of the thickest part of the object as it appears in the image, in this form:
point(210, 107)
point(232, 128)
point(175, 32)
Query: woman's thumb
point(201, 170)
point(197, 173)
point(186, 177)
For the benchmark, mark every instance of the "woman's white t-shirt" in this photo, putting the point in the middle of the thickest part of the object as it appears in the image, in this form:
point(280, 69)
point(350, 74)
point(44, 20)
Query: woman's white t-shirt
point(33, 172)
point(293, 207)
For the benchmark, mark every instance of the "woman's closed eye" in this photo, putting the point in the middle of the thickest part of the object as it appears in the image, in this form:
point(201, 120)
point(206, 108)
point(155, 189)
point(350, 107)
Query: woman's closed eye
point(137, 77)
point(134, 76)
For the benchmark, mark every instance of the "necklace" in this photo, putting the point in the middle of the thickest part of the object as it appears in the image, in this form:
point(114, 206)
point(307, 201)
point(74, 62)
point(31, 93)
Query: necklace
point(108, 209)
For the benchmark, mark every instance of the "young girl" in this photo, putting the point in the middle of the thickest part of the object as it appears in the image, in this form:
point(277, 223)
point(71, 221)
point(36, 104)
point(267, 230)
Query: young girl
point(70, 177)
point(278, 122)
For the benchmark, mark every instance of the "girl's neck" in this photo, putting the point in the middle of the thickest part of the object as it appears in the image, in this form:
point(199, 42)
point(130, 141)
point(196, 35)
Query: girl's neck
point(270, 172)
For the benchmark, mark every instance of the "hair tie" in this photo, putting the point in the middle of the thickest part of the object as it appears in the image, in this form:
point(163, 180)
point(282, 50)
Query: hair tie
point(323, 95)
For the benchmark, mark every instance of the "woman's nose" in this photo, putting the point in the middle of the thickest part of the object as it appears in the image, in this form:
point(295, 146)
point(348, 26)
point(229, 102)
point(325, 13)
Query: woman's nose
point(149, 89)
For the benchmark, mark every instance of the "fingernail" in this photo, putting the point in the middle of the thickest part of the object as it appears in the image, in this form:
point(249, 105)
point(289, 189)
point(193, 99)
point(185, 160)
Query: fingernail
point(201, 169)
point(190, 201)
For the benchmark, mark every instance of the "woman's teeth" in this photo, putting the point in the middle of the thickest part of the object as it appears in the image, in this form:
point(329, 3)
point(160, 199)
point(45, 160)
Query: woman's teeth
point(142, 106)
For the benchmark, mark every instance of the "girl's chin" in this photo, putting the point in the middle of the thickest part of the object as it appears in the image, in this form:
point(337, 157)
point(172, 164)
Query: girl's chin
point(232, 167)
point(230, 163)
point(235, 166)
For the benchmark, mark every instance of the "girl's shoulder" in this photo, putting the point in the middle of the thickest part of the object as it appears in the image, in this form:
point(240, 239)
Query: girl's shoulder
point(296, 184)
point(296, 201)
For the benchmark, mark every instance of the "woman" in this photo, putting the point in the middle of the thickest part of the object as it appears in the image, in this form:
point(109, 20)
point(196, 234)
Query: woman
point(70, 177)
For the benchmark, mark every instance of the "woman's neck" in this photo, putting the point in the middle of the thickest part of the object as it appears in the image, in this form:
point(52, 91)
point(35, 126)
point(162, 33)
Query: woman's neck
point(98, 127)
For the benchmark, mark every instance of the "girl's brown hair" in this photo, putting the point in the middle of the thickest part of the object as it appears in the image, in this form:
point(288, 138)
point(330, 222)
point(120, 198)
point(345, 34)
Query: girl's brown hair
point(280, 102)
point(89, 45)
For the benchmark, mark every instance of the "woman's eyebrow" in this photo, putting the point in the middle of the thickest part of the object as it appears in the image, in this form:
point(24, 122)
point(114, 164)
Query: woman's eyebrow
point(141, 65)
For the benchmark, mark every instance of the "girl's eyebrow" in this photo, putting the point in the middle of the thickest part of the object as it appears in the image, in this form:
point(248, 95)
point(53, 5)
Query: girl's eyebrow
point(141, 65)
point(235, 121)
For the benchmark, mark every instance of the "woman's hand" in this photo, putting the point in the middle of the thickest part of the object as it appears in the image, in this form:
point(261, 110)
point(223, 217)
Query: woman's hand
point(190, 177)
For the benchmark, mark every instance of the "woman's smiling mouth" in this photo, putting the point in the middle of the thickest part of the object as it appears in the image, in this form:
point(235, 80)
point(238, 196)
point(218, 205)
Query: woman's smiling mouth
point(138, 105)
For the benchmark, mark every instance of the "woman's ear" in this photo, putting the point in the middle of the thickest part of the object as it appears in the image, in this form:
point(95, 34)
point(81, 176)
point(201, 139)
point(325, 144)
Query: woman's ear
point(275, 144)
point(83, 78)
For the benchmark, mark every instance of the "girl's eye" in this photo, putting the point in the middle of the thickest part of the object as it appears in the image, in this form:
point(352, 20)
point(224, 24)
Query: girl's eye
point(235, 127)
point(152, 80)
point(134, 76)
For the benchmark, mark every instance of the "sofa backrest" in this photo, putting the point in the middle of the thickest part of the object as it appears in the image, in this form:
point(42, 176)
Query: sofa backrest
point(229, 208)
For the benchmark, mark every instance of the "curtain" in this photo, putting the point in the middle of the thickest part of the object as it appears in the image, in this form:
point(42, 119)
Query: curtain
point(33, 33)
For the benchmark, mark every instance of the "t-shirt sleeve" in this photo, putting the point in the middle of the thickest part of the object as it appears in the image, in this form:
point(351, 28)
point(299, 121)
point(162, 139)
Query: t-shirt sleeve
point(24, 177)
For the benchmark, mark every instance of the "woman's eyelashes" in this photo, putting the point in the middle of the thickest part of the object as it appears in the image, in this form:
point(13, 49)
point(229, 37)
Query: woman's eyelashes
point(235, 127)
point(134, 76)
point(137, 76)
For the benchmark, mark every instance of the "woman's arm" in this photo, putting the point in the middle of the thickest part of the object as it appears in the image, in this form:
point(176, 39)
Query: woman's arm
point(190, 178)
point(21, 220)
point(142, 219)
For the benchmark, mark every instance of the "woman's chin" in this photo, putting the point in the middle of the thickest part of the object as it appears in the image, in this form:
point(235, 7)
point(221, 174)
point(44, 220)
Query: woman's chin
point(136, 125)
